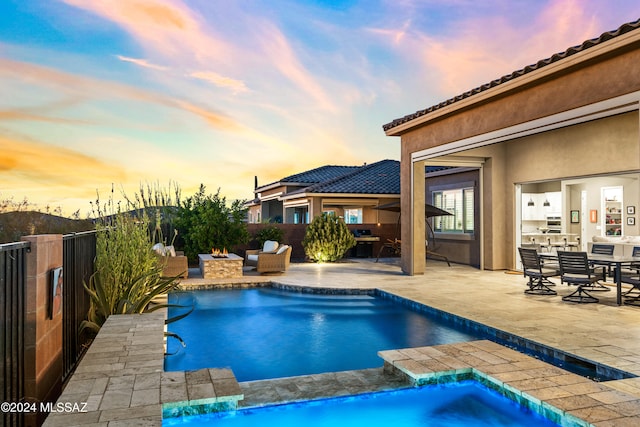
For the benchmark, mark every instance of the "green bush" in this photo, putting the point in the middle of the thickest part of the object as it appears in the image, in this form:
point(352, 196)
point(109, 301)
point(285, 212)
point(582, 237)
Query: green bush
point(128, 273)
point(206, 222)
point(327, 239)
point(270, 232)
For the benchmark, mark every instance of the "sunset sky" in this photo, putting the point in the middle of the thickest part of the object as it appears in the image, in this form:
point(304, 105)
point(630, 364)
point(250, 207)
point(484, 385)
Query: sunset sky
point(124, 92)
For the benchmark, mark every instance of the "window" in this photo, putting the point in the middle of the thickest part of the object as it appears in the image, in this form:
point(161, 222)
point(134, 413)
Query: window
point(353, 215)
point(459, 202)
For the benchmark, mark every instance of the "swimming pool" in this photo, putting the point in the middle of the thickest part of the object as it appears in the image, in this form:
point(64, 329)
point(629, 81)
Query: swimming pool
point(458, 404)
point(264, 333)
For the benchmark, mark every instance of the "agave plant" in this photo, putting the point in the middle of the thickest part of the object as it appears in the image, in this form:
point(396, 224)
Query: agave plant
point(136, 297)
point(128, 274)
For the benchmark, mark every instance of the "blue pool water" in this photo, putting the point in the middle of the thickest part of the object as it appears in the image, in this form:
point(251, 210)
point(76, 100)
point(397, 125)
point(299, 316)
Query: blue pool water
point(452, 405)
point(268, 333)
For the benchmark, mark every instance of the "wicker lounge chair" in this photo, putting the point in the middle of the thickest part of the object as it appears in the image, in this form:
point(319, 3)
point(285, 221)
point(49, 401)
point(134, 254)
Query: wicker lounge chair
point(270, 262)
point(175, 265)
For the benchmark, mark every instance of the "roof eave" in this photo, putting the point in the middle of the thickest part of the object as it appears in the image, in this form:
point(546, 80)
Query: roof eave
point(527, 79)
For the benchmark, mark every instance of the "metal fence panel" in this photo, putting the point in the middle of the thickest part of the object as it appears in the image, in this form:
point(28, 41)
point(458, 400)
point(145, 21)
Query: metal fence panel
point(79, 252)
point(12, 316)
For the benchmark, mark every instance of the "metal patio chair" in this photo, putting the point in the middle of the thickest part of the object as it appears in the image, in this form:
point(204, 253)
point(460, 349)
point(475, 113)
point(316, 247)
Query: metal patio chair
point(575, 270)
point(631, 276)
point(604, 271)
point(538, 275)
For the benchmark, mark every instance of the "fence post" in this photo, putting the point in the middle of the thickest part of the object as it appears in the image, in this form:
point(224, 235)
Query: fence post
point(43, 333)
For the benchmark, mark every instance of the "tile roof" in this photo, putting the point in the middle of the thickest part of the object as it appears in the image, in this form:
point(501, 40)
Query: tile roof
point(314, 176)
point(623, 29)
point(381, 177)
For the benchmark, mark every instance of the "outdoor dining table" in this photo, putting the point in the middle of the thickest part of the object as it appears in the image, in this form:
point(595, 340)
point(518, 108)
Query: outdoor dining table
point(615, 261)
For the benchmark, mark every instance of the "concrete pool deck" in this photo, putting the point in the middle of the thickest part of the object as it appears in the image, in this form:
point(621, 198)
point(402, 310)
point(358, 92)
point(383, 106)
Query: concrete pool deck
point(603, 333)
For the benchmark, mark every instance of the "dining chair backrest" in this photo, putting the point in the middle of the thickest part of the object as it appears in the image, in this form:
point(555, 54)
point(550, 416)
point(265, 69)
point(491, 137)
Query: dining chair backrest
point(573, 262)
point(529, 257)
point(602, 249)
point(534, 246)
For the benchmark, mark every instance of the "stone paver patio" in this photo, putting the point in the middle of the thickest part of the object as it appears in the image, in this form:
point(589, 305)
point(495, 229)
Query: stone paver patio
point(122, 382)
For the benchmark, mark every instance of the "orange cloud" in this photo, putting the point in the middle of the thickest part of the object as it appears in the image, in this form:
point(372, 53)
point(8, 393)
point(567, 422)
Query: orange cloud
point(27, 161)
point(165, 26)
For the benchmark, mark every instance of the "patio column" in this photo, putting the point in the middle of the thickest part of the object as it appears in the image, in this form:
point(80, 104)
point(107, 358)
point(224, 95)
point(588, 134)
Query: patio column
point(413, 241)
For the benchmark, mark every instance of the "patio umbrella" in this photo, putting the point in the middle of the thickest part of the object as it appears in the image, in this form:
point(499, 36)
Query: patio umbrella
point(429, 210)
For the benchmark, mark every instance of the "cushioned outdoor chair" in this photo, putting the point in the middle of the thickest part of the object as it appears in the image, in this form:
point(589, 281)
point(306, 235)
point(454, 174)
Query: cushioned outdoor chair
point(538, 275)
point(575, 270)
point(270, 262)
point(251, 255)
point(173, 266)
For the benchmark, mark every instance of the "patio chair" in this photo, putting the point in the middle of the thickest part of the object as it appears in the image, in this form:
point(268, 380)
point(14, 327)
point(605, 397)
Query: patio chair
point(538, 275)
point(575, 270)
point(604, 271)
point(174, 266)
point(251, 255)
point(270, 262)
point(393, 246)
point(631, 276)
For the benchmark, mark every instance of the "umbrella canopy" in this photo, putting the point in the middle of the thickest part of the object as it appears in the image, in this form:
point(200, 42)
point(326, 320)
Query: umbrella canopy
point(429, 210)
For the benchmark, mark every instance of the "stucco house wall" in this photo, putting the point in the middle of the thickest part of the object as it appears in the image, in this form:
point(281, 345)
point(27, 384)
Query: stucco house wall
point(598, 86)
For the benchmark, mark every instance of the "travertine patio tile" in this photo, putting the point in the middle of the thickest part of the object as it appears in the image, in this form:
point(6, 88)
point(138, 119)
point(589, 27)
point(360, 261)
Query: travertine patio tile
point(489, 357)
point(221, 374)
point(138, 422)
point(548, 393)
point(585, 387)
point(510, 376)
point(123, 382)
point(628, 409)
point(501, 368)
point(612, 396)
point(145, 397)
point(73, 419)
point(226, 387)
point(200, 391)
point(531, 384)
point(172, 377)
point(116, 399)
point(175, 392)
point(200, 376)
point(619, 422)
point(574, 402)
point(595, 414)
point(147, 381)
point(129, 414)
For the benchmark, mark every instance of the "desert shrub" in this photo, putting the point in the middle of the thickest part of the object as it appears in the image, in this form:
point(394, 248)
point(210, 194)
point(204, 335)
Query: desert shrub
point(327, 239)
point(270, 232)
point(205, 222)
point(128, 273)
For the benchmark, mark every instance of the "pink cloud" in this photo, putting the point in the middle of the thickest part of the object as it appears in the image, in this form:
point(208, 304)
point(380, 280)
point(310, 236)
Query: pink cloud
point(141, 62)
point(220, 81)
point(482, 49)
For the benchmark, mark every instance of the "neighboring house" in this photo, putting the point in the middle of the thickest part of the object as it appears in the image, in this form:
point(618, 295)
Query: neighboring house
point(555, 144)
point(351, 192)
